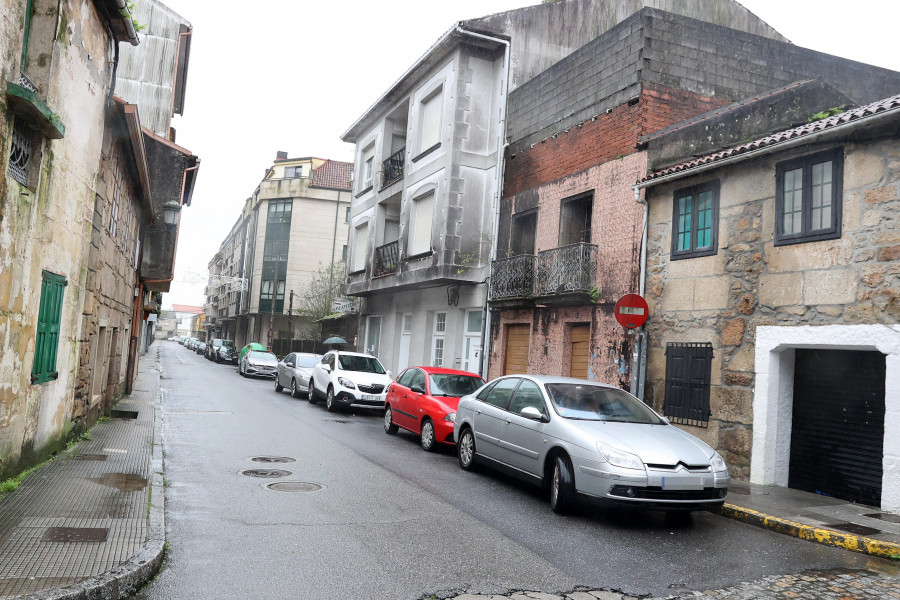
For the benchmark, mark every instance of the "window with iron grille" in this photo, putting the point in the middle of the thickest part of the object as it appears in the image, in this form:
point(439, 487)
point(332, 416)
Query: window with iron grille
point(688, 368)
point(20, 152)
point(46, 341)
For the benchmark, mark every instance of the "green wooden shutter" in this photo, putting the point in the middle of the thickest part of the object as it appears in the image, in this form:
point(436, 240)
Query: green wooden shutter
point(47, 338)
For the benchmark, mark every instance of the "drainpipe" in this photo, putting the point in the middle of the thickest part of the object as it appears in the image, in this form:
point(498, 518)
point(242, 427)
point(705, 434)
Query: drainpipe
point(639, 356)
point(501, 148)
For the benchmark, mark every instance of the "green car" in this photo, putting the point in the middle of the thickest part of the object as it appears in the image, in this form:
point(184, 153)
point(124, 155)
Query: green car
point(248, 348)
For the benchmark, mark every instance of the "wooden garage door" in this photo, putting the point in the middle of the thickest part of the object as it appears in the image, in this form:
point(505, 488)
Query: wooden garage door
point(517, 337)
point(837, 432)
point(581, 351)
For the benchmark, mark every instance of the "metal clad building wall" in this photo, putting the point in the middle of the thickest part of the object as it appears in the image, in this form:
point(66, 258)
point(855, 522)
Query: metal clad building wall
point(837, 435)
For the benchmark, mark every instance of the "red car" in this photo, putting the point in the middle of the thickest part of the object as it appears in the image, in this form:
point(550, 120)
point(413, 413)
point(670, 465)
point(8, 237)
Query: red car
point(423, 400)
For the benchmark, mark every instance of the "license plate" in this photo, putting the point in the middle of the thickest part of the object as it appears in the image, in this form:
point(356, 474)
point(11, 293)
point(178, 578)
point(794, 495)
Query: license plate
point(370, 397)
point(682, 483)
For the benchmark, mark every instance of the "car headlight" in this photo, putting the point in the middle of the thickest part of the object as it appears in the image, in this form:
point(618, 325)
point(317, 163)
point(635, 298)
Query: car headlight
point(619, 458)
point(717, 462)
point(346, 383)
point(451, 417)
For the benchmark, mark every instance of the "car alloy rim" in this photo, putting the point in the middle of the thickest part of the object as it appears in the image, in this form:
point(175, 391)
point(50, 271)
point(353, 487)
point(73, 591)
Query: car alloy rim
point(388, 418)
point(554, 489)
point(465, 448)
point(427, 434)
point(329, 399)
point(293, 387)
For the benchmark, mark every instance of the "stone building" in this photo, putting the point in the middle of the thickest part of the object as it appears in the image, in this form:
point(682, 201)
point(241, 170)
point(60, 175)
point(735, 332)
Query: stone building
point(773, 279)
point(270, 252)
point(569, 233)
point(80, 194)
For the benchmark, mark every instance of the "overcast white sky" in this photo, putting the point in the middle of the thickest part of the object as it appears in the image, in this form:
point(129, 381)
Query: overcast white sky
point(293, 75)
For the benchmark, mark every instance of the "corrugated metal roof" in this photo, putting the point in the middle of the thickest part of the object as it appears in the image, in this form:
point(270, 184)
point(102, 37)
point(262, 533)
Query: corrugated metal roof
point(857, 114)
point(334, 175)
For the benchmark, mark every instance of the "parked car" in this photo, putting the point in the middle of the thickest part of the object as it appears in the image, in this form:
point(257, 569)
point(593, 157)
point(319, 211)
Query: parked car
point(587, 438)
point(200, 348)
point(294, 371)
point(191, 344)
point(423, 400)
point(227, 354)
point(248, 348)
point(213, 348)
point(258, 363)
point(346, 379)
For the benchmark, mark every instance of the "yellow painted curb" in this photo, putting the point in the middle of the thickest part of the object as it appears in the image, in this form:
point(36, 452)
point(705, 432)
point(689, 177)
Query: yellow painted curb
point(846, 541)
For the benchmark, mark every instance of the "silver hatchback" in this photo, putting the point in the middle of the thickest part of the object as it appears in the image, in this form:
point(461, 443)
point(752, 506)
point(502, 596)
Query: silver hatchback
point(589, 439)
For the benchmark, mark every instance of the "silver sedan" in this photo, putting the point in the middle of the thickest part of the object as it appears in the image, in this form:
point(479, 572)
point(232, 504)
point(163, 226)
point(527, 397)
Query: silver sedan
point(584, 438)
point(294, 371)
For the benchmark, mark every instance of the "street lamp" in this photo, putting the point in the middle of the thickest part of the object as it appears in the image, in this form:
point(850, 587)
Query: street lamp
point(170, 212)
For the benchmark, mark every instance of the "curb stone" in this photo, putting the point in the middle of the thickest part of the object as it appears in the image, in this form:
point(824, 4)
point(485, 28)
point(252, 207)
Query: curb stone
point(847, 541)
point(130, 576)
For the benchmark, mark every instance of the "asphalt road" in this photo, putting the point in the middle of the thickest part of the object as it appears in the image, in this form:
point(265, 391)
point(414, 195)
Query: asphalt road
point(394, 522)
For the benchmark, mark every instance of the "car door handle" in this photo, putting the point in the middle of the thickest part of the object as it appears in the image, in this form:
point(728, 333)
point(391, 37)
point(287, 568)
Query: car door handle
point(477, 412)
point(508, 421)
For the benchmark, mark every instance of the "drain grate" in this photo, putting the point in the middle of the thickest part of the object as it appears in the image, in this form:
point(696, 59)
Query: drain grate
point(273, 459)
point(75, 534)
point(294, 486)
point(854, 528)
point(97, 457)
point(123, 414)
point(266, 473)
point(885, 517)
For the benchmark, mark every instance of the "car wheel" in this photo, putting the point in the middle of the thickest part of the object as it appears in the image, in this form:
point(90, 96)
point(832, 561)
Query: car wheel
point(294, 392)
point(241, 369)
point(427, 437)
point(329, 400)
point(389, 427)
point(562, 485)
point(278, 386)
point(217, 359)
point(465, 449)
point(311, 396)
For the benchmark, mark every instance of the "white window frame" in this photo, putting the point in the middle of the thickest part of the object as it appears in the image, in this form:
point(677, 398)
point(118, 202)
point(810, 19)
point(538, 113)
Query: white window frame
point(438, 347)
point(360, 245)
point(367, 166)
point(422, 223)
point(431, 110)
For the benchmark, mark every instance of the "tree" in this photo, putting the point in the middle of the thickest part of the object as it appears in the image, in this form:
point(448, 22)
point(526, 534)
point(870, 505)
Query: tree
point(326, 285)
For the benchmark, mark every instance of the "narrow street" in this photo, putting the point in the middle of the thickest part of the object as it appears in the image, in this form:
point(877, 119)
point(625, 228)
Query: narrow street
point(392, 521)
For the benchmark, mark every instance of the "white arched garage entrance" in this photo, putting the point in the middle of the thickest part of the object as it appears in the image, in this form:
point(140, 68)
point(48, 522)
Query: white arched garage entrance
point(774, 395)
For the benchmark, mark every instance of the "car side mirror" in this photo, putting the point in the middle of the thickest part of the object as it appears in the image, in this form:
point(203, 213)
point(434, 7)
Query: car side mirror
point(327, 368)
point(417, 389)
point(530, 412)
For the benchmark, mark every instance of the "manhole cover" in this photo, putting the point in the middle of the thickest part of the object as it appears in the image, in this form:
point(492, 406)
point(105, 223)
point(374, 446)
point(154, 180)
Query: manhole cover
point(74, 534)
point(123, 414)
point(272, 459)
point(97, 457)
point(294, 486)
point(265, 473)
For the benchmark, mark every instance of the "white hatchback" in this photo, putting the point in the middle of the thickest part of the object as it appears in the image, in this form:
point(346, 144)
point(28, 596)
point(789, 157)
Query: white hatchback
point(348, 379)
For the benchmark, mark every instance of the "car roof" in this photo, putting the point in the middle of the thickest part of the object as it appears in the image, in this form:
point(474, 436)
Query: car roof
point(545, 379)
point(342, 352)
point(307, 354)
point(443, 371)
point(255, 346)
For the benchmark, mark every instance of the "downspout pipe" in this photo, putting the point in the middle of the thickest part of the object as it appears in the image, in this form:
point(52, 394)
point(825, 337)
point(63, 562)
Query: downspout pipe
point(640, 347)
point(501, 149)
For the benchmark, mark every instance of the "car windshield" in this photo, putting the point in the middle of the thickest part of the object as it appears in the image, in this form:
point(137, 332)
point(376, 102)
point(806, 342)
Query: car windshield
point(595, 403)
point(262, 355)
point(228, 343)
point(454, 386)
point(307, 362)
point(362, 364)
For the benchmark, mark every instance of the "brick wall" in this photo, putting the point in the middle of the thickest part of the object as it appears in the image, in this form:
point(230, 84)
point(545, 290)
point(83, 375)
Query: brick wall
point(606, 137)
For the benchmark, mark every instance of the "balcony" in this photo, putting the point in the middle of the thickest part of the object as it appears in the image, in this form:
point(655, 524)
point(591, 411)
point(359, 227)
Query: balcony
point(392, 168)
point(512, 278)
point(386, 258)
point(570, 271)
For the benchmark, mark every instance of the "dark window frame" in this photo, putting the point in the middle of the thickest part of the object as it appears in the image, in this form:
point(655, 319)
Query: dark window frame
point(806, 234)
point(694, 191)
point(566, 205)
point(516, 231)
point(687, 384)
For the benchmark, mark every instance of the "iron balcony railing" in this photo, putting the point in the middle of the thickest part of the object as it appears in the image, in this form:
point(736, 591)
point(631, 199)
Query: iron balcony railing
point(566, 270)
point(386, 258)
point(512, 277)
point(392, 167)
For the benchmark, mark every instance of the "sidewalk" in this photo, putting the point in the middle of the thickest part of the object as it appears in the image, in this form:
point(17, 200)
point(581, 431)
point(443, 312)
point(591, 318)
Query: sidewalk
point(815, 518)
point(91, 522)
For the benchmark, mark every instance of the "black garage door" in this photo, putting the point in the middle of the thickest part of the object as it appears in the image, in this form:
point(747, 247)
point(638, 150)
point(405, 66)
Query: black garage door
point(837, 434)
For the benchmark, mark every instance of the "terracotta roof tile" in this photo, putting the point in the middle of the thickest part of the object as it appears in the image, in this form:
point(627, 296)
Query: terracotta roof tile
point(333, 174)
point(186, 308)
point(856, 114)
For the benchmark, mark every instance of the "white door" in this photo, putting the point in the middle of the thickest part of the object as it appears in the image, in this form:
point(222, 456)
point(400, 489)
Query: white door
point(405, 334)
point(373, 335)
point(471, 350)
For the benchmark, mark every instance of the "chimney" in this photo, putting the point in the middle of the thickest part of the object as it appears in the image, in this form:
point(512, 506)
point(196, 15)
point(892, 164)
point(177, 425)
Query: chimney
point(281, 155)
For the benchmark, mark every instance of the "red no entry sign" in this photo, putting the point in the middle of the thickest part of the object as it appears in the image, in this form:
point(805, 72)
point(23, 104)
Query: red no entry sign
point(631, 311)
